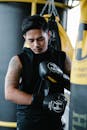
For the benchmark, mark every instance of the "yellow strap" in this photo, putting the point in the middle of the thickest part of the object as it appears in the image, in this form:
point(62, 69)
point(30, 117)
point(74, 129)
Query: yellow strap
point(51, 79)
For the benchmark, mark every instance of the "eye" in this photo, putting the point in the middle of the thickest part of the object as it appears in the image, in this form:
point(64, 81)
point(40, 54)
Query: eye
point(31, 40)
point(40, 39)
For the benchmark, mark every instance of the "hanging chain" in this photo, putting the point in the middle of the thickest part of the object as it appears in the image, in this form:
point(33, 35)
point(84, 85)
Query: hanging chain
point(51, 8)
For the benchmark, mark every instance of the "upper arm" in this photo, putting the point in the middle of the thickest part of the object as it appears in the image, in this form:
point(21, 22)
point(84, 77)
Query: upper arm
point(13, 73)
point(67, 65)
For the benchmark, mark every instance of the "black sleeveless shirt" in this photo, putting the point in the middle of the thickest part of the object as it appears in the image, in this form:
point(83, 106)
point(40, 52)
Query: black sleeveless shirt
point(30, 71)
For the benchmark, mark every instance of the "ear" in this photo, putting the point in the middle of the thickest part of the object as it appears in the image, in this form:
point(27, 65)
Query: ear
point(49, 34)
point(24, 36)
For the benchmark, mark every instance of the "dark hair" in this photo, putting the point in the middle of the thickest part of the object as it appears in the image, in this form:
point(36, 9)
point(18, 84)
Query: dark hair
point(34, 22)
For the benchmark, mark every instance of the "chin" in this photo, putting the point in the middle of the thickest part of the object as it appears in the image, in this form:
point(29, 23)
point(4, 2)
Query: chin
point(38, 52)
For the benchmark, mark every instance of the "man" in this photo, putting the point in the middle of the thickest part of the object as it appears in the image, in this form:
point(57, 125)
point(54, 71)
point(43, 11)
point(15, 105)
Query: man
point(25, 82)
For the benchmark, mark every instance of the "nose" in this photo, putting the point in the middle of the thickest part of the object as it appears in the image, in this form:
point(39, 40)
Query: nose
point(36, 44)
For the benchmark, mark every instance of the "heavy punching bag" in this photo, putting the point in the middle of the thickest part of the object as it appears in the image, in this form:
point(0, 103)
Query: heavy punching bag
point(78, 103)
point(11, 41)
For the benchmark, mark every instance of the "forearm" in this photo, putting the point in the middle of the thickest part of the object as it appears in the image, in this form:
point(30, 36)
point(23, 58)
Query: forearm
point(18, 97)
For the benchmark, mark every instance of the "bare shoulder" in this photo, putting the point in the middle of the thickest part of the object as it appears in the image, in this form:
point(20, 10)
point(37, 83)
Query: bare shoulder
point(14, 69)
point(15, 62)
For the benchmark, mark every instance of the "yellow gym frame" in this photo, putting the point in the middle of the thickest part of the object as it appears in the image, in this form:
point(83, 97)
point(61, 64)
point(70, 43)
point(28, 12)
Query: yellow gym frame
point(35, 2)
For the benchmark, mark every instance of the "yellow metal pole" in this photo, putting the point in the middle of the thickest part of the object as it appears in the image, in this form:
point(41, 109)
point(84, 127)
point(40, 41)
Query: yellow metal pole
point(33, 8)
point(8, 124)
point(58, 4)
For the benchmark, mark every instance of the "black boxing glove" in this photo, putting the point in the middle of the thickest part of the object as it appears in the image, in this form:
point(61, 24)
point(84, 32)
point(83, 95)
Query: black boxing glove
point(49, 70)
point(55, 103)
point(52, 72)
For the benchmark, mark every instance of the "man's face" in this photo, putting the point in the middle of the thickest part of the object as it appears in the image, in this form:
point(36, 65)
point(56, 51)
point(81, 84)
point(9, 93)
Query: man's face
point(37, 40)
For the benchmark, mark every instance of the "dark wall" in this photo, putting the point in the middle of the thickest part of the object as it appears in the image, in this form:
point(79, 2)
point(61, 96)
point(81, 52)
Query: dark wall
point(11, 42)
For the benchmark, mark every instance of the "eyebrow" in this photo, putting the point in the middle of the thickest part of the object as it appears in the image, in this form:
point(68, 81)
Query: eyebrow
point(36, 38)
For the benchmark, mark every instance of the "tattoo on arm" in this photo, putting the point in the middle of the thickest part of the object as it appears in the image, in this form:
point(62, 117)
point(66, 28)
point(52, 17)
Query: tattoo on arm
point(13, 73)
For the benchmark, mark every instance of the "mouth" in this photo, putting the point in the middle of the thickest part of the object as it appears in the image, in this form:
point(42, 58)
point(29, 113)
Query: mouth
point(37, 50)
